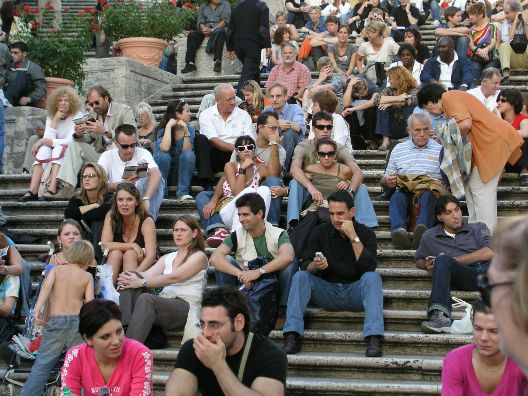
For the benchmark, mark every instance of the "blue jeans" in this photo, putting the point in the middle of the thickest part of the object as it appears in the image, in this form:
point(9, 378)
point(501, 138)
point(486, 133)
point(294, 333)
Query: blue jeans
point(299, 196)
point(215, 221)
point(25, 288)
point(290, 139)
point(479, 67)
point(61, 333)
point(449, 274)
point(276, 203)
point(2, 129)
point(184, 161)
point(156, 199)
point(461, 45)
point(436, 11)
point(400, 203)
point(366, 294)
point(285, 279)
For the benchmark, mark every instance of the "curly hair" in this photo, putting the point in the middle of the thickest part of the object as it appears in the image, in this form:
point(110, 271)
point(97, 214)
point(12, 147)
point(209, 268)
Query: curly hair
point(53, 101)
point(102, 187)
point(278, 37)
point(403, 78)
point(116, 220)
point(478, 9)
point(514, 98)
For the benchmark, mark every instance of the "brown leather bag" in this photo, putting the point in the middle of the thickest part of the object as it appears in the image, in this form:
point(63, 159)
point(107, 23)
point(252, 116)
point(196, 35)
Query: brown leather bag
point(414, 213)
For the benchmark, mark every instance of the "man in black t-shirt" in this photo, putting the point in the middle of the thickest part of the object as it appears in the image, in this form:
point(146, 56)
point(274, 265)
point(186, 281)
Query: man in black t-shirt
point(211, 363)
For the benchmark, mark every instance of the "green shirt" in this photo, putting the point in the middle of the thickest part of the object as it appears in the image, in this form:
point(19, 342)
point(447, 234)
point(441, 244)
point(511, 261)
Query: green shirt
point(260, 244)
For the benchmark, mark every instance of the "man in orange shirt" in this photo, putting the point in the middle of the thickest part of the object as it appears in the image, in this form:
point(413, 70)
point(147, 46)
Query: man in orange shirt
point(494, 142)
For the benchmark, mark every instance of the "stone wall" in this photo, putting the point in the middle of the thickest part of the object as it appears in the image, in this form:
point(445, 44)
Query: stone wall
point(128, 81)
point(19, 126)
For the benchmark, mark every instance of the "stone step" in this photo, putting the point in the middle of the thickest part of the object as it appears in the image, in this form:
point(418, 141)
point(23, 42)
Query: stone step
point(341, 365)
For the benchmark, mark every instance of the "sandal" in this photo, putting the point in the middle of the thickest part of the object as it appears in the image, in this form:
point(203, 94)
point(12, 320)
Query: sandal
point(28, 196)
point(49, 195)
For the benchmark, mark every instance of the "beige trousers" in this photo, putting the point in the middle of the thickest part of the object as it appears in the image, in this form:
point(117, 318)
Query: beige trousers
point(481, 199)
point(76, 155)
point(509, 59)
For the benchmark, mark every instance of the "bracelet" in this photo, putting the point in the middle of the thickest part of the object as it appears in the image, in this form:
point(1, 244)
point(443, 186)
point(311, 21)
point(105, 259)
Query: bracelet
point(241, 171)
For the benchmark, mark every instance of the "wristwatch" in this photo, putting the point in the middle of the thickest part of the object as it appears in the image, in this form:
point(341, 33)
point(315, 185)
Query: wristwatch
point(273, 143)
point(241, 171)
point(356, 240)
point(146, 198)
point(144, 284)
point(263, 270)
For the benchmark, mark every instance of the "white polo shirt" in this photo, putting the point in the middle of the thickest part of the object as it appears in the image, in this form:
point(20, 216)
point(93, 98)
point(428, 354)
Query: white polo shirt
point(490, 102)
point(237, 124)
point(446, 71)
point(114, 165)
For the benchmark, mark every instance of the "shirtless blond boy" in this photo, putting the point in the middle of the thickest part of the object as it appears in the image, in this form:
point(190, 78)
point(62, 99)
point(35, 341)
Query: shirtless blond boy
point(64, 291)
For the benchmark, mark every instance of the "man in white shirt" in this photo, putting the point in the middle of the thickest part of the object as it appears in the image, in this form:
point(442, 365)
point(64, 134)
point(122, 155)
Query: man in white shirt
point(513, 23)
point(220, 126)
point(489, 88)
point(130, 152)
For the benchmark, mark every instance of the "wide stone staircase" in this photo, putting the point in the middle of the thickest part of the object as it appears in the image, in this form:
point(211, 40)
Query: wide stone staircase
point(332, 361)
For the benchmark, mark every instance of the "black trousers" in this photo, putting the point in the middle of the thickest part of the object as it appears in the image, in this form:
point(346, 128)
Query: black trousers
point(368, 128)
point(196, 38)
point(250, 59)
point(209, 159)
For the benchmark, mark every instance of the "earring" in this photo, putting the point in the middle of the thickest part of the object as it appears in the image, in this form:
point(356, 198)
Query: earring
point(60, 246)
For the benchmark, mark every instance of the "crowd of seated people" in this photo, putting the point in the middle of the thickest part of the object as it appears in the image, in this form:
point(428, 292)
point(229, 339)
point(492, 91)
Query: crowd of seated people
point(296, 138)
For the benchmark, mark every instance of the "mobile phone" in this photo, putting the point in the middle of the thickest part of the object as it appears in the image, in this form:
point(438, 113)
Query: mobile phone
point(320, 256)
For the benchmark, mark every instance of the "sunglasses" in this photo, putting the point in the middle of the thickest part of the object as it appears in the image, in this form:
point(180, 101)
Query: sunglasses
point(502, 100)
point(247, 147)
point(127, 146)
point(326, 154)
point(89, 175)
point(321, 127)
point(484, 287)
point(179, 105)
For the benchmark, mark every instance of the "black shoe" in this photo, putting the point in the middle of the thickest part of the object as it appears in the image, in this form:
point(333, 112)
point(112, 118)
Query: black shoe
point(400, 239)
point(523, 180)
point(217, 66)
point(292, 343)
point(374, 347)
point(419, 230)
point(9, 356)
point(28, 196)
point(505, 80)
point(189, 67)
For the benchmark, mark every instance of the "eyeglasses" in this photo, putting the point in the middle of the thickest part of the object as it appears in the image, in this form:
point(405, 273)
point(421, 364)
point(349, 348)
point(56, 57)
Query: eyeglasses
point(89, 175)
point(127, 146)
point(323, 154)
point(247, 147)
point(502, 100)
point(485, 288)
point(321, 127)
point(141, 116)
point(127, 186)
point(212, 325)
point(274, 128)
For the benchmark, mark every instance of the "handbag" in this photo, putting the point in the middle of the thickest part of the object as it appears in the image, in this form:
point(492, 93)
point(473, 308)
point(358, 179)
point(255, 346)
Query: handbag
point(519, 41)
point(414, 213)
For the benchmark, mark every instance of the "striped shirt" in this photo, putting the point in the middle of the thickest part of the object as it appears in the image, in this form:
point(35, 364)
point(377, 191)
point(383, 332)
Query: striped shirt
point(408, 159)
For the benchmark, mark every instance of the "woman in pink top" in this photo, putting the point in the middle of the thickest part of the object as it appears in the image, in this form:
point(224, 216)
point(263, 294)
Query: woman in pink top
point(480, 368)
point(107, 363)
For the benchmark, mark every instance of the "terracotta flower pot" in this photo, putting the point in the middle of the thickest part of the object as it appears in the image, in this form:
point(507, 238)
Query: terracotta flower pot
point(146, 50)
point(53, 84)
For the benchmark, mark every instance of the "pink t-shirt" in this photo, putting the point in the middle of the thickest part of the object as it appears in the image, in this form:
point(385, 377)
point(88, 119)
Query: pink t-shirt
point(132, 375)
point(459, 378)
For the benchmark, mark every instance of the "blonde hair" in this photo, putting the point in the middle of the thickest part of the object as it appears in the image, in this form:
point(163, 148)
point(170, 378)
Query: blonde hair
point(147, 109)
point(81, 253)
point(102, 187)
point(53, 101)
point(403, 77)
point(377, 27)
point(258, 96)
point(510, 245)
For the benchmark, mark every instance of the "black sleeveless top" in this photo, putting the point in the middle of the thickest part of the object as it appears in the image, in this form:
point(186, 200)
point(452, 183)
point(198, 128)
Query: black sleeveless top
point(118, 237)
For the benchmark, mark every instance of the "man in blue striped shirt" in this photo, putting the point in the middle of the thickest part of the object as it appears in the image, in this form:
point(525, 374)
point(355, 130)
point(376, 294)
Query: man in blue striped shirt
point(417, 156)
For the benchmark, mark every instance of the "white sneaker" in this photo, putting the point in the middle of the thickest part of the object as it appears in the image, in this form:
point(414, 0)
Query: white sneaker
point(185, 197)
point(436, 23)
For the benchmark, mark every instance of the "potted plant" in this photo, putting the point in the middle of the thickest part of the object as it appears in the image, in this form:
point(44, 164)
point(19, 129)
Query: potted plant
point(142, 29)
point(60, 54)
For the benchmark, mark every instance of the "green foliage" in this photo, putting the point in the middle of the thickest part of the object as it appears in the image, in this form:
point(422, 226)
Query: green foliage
point(59, 54)
point(158, 18)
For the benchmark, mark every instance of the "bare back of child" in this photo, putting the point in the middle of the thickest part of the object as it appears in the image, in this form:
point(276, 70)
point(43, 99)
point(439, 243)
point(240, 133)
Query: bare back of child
point(67, 287)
